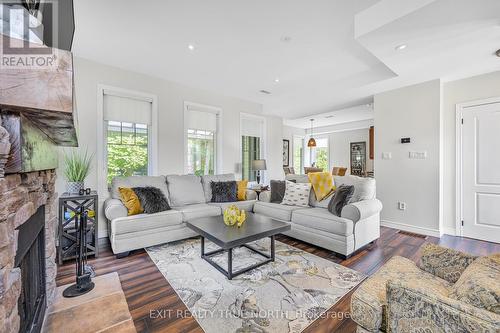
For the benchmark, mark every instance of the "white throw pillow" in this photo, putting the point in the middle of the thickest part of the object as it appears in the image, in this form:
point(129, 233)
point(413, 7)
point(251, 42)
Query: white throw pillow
point(364, 188)
point(296, 194)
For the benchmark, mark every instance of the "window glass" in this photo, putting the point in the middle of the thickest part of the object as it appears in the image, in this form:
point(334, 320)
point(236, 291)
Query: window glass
point(201, 152)
point(250, 151)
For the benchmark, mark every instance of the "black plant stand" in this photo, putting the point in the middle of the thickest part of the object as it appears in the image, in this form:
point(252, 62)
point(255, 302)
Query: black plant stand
point(84, 282)
point(69, 207)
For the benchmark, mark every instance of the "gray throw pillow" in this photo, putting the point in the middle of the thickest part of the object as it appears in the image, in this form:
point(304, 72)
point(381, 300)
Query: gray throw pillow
point(224, 191)
point(152, 199)
point(340, 198)
point(278, 188)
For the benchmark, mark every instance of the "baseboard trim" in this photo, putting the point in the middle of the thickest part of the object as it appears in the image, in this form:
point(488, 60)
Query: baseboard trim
point(410, 228)
point(449, 231)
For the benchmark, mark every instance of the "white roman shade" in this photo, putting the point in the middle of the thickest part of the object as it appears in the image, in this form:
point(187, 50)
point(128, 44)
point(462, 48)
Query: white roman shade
point(252, 127)
point(202, 120)
point(126, 109)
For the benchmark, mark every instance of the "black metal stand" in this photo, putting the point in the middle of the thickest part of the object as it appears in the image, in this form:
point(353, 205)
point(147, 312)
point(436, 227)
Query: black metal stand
point(84, 282)
point(229, 273)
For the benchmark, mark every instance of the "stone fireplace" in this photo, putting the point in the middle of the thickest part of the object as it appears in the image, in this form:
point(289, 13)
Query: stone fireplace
point(24, 196)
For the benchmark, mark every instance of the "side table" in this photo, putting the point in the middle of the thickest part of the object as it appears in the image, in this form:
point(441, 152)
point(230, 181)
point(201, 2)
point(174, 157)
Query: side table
point(70, 205)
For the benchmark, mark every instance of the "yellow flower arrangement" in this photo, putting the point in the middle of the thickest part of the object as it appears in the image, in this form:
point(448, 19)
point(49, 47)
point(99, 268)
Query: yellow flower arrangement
point(233, 215)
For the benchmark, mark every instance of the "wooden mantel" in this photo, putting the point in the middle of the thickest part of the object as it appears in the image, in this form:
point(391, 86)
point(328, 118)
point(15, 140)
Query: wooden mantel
point(42, 94)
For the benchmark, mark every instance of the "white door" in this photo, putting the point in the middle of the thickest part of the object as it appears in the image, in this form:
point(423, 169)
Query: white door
point(481, 172)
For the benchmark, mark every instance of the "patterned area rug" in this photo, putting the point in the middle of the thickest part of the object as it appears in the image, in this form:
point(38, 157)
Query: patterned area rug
point(284, 296)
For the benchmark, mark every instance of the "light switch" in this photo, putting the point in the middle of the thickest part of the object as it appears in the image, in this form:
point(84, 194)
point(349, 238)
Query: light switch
point(386, 155)
point(419, 155)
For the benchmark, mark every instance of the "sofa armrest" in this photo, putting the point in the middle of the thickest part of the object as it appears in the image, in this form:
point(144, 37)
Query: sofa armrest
point(362, 209)
point(114, 208)
point(448, 264)
point(407, 305)
point(251, 195)
point(265, 196)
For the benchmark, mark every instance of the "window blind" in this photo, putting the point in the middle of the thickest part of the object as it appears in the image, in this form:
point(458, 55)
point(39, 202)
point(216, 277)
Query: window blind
point(202, 120)
point(128, 110)
point(252, 127)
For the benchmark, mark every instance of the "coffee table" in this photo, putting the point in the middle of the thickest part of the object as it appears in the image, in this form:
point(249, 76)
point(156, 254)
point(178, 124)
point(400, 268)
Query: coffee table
point(229, 237)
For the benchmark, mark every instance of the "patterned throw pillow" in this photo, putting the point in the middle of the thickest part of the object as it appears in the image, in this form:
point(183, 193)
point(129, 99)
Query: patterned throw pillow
point(224, 191)
point(296, 194)
point(130, 200)
point(152, 199)
point(322, 184)
point(242, 190)
point(478, 285)
point(278, 188)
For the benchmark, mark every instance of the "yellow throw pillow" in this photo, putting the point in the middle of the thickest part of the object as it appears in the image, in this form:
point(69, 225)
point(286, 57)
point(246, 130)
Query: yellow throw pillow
point(322, 184)
point(131, 201)
point(242, 190)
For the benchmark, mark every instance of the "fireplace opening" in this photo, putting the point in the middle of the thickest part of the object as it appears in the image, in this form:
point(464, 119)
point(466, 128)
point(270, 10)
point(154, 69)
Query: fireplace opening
point(30, 258)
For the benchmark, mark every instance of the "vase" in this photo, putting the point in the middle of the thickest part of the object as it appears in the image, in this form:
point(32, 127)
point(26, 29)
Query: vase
point(74, 187)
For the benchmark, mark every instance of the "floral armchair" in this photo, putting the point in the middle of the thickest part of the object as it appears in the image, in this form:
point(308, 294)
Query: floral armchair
point(449, 291)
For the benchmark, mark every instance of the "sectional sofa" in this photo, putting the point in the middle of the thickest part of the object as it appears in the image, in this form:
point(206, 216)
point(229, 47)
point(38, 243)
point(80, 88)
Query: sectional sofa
point(190, 195)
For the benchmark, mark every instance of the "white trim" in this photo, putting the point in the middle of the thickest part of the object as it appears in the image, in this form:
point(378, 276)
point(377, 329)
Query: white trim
point(263, 143)
point(459, 110)
point(303, 138)
point(410, 228)
point(449, 231)
point(103, 89)
point(219, 136)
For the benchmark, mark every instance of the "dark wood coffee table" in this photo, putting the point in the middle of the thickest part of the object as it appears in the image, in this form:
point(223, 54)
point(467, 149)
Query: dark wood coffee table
point(229, 237)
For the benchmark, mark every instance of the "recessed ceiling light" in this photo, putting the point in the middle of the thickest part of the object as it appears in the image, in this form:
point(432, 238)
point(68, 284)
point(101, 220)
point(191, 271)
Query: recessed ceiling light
point(277, 80)
point(401, 47)
point(285, 39)
point(191, 47)
point(329, 116)
point(265, 92)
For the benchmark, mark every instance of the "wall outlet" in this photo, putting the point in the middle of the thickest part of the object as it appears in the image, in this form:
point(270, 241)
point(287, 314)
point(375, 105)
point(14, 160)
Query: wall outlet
point(386, 155)
point(401, 205)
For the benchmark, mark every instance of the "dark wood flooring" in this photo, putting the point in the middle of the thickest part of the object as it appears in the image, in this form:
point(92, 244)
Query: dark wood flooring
point(147, 290)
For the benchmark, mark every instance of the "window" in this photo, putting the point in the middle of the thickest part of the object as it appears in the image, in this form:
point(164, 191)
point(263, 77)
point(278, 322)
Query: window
point(201, 152)
point(250, 151)
point(201, 124)
point(127, 148)
point(252, 145)
point(298, 154)
point(127, 130)
point(321, 154)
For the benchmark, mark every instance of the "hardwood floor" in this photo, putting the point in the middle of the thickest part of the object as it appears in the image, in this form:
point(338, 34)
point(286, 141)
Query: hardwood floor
point(155, 307)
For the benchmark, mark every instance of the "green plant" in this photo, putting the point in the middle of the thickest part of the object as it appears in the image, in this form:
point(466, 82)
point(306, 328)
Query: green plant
point(77, 166)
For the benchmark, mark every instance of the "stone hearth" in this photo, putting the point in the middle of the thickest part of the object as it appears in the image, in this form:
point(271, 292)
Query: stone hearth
point(20, 197)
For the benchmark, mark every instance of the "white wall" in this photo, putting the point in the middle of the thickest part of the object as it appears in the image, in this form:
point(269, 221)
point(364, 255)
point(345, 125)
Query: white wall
point(466, 90)
point(288, 134)
point(413, 112)
point(340, 146)
point(171, 98)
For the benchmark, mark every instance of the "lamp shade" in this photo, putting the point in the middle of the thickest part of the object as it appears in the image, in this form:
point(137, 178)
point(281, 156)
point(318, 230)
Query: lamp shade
point(311, 143)
point(259, 165)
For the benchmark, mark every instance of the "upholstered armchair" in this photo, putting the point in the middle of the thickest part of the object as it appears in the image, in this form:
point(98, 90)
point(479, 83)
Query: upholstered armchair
point(449, 291)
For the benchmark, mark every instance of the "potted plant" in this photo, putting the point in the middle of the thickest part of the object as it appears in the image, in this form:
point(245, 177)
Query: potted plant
point(76, 169)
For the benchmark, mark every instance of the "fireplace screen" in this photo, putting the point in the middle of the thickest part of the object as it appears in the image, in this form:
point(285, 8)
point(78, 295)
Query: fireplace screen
point(30, 258)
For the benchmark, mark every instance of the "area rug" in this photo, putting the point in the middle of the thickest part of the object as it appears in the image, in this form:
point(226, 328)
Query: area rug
point(284, 296)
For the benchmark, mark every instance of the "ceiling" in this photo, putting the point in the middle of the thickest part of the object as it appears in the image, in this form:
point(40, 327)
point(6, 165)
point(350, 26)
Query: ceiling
point(327, 54)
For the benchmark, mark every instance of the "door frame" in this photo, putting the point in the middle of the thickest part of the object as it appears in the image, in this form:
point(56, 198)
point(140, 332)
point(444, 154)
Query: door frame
point(459, 111)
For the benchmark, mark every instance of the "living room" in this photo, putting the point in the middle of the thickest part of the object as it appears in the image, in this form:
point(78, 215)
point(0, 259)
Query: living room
point(249, 166)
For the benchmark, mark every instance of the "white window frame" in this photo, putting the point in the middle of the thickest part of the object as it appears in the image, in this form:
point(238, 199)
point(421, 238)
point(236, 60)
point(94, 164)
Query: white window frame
point(102, 153)
point(218, 135)
point(263, 141)
point(317, 137)
point(304, 146)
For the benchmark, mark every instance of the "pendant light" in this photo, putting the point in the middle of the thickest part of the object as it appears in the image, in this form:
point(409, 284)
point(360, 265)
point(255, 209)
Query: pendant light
point(311, 143)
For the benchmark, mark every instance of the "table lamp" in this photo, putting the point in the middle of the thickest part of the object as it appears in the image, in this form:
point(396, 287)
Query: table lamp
point(259, 165)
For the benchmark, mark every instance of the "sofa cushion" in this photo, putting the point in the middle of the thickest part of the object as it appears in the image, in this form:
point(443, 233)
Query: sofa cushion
point(247, 205)
point(479, 284)
point(340, 198)
point(152, 199)
point(322, 219)
point(297, 194)
point(242, 190)
point(364, 188)
point(138, 181)
point(191, 212)
point(142, 222)
point(368, 302)
point(185, 190)
point(207, 180)
point(275, 210)
point(131, 201)
point(224, 191)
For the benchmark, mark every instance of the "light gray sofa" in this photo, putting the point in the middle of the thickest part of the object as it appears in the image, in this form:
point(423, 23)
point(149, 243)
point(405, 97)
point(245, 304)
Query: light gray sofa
point(188, 195)
point(358, 225)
